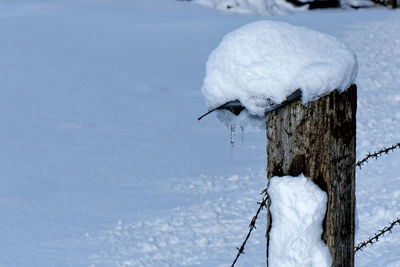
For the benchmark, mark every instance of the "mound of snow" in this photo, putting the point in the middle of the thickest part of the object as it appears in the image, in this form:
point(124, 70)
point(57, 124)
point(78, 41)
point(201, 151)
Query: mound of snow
point(265, 61)
point(297, 209)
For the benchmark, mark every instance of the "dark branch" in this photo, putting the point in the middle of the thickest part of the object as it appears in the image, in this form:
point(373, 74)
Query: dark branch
point(233, 106)
point(236, 107)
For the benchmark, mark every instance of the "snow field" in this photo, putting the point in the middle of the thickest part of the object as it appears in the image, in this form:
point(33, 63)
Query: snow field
point(378, 125)
point(103, 162)
point(199, 235)
point(259, 7)
point(266, 7)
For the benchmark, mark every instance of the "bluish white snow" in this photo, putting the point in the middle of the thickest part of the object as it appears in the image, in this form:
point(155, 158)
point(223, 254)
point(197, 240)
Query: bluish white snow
point(297, 209)
point(103, 162)
point(255, 7)
point(270, 7)
point(265, 61)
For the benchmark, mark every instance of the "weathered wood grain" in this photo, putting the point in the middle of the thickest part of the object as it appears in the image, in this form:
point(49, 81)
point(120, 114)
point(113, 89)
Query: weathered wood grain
point(319, 140)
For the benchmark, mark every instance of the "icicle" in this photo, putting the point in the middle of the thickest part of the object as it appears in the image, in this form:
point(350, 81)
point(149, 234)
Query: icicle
point(232, 127)
point(242, 132)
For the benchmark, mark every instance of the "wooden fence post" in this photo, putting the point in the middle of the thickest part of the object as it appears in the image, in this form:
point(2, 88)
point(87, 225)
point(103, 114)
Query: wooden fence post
point(319, 140)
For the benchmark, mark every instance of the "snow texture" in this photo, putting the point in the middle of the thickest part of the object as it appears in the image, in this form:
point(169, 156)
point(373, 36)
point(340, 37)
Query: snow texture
point(103, 162)
point(263, 62)
point(244, 120)
point(297, 210)
point(259, 7)
point(270, 7)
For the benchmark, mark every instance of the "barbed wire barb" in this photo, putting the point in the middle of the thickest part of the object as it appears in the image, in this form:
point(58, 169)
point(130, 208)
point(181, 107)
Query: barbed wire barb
point(377, 154)
point(252, 226)
point(372, 240)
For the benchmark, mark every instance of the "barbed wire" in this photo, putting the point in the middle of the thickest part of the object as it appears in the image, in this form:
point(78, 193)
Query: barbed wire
point(361, 245)
point(252, 225)
point(377, 154)
point(375, 238)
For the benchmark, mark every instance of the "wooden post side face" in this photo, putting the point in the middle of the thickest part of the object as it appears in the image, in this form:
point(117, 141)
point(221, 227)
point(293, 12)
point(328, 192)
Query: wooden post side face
point(319, 140)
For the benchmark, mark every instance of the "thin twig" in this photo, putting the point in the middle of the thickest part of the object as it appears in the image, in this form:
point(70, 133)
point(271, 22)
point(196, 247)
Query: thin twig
point(377, 154)
point(375, 238)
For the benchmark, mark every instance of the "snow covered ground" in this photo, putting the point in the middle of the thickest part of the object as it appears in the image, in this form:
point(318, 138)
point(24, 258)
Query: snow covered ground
point(256, 7)
point(103, 162)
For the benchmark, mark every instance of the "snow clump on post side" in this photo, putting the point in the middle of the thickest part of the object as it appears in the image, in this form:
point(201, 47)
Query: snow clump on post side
point(271, 59)
point(297, 210)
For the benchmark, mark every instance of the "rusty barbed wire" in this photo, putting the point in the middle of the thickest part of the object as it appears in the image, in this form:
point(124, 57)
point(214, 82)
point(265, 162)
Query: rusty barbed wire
point(252, 225)
point(377, 154)
point(375, 238)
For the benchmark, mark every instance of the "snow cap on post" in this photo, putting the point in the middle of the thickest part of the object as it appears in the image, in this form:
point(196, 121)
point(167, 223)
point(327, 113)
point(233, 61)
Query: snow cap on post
point(265, 61)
